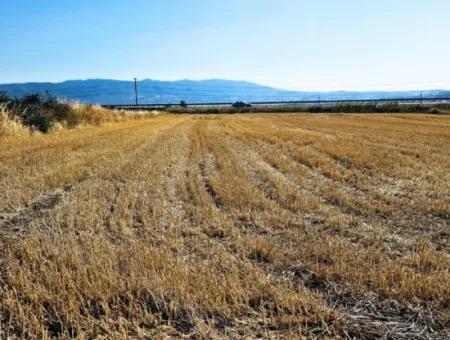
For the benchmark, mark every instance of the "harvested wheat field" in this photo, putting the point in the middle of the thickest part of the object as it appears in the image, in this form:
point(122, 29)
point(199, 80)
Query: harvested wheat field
point(228, 226)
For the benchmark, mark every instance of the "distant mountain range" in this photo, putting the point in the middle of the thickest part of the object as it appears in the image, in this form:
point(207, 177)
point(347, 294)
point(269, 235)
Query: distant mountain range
point(104, 91)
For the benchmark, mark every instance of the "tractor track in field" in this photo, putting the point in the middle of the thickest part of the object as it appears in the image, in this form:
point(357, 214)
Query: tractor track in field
point(18, 221)
point(317, 181)
point(208, 187)
point(368, 316)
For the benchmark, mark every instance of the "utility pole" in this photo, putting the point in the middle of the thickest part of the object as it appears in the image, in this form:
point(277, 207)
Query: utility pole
point(421, 98)
point(136, 92)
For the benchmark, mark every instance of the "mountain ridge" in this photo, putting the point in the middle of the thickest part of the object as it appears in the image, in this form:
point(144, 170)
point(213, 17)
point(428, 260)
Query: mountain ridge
point(151, 91)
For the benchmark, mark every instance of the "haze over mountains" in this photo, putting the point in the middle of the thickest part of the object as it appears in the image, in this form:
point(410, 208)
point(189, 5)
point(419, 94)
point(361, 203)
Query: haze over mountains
point(105, 91)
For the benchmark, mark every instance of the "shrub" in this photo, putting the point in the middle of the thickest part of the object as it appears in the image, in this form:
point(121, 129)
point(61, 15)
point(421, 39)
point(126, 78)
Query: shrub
point(4, 98)
point(42, 111)
point(35, 117)
point(241, 104)
point(35, 110)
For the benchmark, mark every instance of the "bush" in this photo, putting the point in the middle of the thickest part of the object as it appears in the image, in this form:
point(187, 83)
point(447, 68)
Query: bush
point(240, 104)
point(42, 111)
point(4, 98)
point(35, 117)
point(35, 110)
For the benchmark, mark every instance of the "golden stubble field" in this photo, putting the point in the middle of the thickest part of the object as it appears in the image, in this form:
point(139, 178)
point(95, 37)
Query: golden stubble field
point(228, 226)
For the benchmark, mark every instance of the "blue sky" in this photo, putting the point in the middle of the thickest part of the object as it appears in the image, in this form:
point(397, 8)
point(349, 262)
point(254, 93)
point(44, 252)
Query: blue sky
point(294, 44)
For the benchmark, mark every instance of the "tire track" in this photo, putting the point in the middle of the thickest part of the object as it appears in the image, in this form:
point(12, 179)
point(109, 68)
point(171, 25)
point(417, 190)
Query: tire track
point(19, 220)
point(319, 184)
point(366, 317)
point(369, 316)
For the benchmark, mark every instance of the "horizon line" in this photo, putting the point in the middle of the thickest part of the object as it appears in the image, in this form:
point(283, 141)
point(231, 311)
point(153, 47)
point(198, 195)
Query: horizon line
point(367, 89)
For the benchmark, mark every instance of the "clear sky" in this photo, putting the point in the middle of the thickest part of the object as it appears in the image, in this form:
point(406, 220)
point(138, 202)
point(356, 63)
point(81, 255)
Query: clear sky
point(294, 44)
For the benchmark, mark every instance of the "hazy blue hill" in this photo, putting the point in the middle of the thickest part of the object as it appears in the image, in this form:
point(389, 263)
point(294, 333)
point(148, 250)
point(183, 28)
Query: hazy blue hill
point(106, 91)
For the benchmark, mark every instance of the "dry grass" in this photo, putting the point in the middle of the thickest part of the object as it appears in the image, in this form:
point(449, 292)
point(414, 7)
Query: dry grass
point(10, 127)
point(62, 116)
point(230, 226)
point(79, 114)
